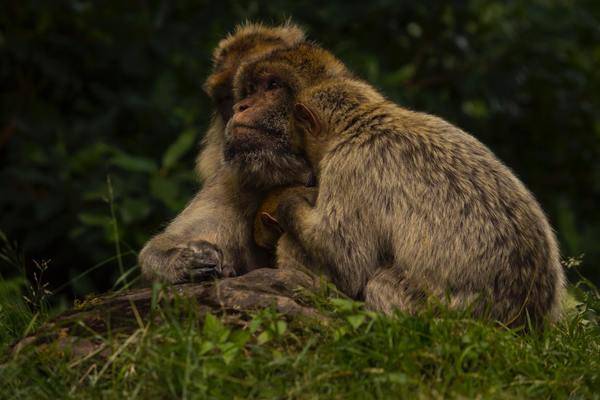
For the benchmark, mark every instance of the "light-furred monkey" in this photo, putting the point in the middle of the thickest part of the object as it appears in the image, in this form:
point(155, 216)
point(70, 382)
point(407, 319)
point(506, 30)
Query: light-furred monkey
point(409, 207)
point(213, 234)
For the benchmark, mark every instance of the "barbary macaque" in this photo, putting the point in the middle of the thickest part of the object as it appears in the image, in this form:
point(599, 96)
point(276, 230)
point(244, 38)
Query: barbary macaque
point(212, 236)
point(267, 230)
point(409, 208)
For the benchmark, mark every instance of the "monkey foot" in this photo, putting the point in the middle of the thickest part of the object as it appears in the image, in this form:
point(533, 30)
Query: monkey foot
point(203, 261)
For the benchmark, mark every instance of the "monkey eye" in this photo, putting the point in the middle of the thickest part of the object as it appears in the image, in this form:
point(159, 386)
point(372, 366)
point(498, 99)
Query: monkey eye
point(272, 84)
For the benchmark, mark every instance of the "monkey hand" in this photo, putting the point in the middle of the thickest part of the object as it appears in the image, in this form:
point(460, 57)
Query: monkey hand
point(196, 261)
point(291, 200)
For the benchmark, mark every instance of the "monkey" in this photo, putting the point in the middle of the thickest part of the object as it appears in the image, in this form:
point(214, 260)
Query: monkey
point(409, 207)
point(212, 236)
point(267, 230)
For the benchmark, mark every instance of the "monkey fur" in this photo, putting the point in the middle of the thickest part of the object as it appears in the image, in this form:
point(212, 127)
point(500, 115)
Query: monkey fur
point(212, 236)
point(410, 208)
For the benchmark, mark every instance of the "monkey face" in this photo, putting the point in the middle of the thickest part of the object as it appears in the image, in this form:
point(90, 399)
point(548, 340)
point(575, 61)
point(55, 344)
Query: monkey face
point(260, 123)
point(249, 42)
point(261, 139)
point(267, 133)
point(275, 111)
point(219, 87)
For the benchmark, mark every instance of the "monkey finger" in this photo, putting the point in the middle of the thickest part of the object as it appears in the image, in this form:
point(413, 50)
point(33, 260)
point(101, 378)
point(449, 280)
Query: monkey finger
point(205, 263)
point(205, 253)
point(203, 274)
point(202, 246)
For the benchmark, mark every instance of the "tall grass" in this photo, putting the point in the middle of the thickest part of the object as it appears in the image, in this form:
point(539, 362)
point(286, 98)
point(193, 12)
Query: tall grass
point(353, 353)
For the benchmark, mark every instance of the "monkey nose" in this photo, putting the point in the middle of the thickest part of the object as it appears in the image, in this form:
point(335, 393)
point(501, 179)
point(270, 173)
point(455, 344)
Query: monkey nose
point(241, 106)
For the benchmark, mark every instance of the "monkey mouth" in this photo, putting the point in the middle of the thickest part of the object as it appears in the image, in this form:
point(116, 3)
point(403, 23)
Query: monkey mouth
point(241, 130)
point(249, 143)
point(246, 126)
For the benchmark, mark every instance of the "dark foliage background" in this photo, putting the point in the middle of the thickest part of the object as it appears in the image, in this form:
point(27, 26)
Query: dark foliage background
point(102, 108)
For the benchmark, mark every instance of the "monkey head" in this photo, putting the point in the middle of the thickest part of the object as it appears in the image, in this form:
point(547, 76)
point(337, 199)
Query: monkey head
point(267, 229)
point(265, 135)
point(248, 41)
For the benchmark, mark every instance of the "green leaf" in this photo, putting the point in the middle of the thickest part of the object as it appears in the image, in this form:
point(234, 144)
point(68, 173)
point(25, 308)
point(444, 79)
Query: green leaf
point(240, 338)
point(214, 329)
point(277, 357)
point(343, 304)
point(206, 347)
point(133, 163)
point(340, 332)
point(134, 210)
point(397, 377)
point(400, 76)
point(89, 157)
point(165, 190)
point(356, 320)
point(229, 351)
point(264, 337)
point(475, 108)
point(280, 327)
point(255, 324)
point(177, 149)
point(414, 29)
point(94, 219)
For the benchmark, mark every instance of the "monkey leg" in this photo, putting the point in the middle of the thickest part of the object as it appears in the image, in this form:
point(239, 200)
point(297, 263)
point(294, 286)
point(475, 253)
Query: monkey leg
point(290, 255)
point(390, 289)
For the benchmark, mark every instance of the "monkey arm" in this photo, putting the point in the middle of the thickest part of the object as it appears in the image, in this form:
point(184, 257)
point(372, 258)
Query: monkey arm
point(324, 247)
point(290, 212)
point(213, 230)
point(336, 234)
point(294, 205)
point(300, 216)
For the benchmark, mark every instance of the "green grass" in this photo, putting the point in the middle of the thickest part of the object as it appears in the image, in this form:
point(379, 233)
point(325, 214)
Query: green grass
point(354, 354)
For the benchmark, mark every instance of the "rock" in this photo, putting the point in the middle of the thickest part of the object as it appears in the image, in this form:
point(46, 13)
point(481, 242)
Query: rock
point(79, 328)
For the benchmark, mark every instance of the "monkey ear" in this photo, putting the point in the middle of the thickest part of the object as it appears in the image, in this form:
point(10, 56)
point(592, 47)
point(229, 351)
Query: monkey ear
point(270, 222)
point(307, 119)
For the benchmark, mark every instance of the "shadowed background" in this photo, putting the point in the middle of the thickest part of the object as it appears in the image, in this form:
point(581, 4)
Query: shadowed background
point(102, 110)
